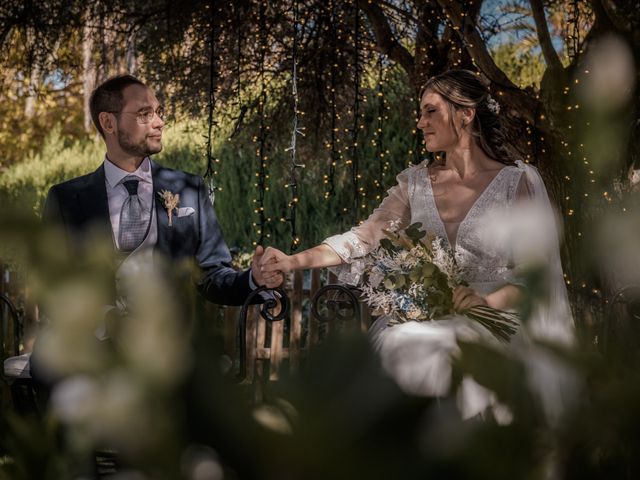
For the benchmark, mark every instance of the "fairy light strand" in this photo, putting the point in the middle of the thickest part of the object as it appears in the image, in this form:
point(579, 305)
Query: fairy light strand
point(355, 174)
point(242, 109)
point(261, 150)
point(329, 179)
point(211, 172)
point(383, 163)
point(296, 130)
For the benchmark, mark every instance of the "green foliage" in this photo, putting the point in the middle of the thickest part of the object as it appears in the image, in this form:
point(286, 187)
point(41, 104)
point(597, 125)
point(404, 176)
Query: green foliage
point(523, 66)
point(56, 98)
point(317, 217)
point(62, 158)
point(415, 233)
point(57, 161)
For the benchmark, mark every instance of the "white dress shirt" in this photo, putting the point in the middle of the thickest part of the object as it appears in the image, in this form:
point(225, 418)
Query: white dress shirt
point(117, 193)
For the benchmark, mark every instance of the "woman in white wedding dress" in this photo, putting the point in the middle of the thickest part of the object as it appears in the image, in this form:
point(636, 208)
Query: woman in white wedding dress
point(453, 199)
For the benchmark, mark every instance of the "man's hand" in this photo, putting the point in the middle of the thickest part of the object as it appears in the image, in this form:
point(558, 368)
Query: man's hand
point(273, 279)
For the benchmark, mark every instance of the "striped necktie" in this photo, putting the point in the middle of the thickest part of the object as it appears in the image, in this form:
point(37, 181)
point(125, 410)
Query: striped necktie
point(133, 218)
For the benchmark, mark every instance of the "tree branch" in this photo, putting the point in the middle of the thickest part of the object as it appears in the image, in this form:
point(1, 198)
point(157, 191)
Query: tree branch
point(475, 45)
point(549, 53)
point(406, 15)
point(611, 10)
point(384, 37)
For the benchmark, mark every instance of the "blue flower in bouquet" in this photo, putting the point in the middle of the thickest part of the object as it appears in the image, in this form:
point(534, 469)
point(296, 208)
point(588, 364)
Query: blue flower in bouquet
point(384, 268)
point(404, 302)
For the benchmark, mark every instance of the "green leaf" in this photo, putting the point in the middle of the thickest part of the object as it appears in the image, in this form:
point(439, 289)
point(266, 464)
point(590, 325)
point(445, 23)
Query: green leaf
point(441, 281)
point(428, 269)
point(436, 298)
point(387, 245)
point(414, 233)
point(415, 274)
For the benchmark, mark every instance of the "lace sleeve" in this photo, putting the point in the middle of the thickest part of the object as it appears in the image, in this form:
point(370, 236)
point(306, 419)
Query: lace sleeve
point(360, 240)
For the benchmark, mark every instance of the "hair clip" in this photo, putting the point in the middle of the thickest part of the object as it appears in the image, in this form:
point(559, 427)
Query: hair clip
point(493, 105)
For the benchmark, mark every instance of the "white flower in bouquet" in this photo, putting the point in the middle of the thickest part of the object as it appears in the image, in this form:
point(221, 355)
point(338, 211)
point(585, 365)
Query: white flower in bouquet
point(375, 277)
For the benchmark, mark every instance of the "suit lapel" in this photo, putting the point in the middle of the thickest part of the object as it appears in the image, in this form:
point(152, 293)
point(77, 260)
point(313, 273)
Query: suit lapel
point(164, 232)
point(93, 202)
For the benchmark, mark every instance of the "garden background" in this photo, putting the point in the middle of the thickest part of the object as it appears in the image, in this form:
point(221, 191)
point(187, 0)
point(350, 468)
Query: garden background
point(299, 114)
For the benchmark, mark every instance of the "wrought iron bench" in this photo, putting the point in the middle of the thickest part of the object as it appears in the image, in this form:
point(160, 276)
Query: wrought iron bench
point(267, 340)
point(16, 367)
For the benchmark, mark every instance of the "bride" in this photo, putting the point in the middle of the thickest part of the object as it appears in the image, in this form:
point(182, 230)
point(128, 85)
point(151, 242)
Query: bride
point(460, 200)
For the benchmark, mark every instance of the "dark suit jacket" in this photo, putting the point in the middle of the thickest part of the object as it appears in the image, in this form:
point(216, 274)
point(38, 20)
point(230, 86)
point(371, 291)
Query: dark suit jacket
point(80, 205)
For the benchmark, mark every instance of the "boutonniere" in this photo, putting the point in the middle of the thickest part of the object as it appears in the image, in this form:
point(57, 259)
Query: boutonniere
point(170, 202)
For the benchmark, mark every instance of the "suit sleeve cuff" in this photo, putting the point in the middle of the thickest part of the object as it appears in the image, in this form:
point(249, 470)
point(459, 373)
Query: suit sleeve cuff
point(252, 283)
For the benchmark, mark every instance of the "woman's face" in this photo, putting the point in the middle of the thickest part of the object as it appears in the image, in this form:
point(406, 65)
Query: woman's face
point(435, 123)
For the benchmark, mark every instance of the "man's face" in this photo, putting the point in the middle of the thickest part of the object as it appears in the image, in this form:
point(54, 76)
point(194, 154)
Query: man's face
point(134, 136)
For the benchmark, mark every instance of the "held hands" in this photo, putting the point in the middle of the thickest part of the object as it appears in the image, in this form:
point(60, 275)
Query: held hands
point(273, 265)
point(273, 279)
point(465, 297)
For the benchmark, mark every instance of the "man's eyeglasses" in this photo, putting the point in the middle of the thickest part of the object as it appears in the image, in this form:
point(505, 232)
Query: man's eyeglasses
point(145, 116)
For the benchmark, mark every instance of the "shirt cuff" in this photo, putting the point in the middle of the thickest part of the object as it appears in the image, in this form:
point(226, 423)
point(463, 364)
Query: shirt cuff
point(252, 284)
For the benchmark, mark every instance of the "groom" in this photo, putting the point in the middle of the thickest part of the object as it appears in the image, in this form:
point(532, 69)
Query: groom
point(147, 212)
point(123, 199)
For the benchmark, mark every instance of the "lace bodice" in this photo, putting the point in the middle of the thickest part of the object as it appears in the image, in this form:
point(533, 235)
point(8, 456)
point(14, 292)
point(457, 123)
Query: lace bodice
point(412, 200)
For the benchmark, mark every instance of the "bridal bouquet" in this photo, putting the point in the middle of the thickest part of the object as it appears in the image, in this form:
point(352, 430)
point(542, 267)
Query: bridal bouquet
point(409, 279)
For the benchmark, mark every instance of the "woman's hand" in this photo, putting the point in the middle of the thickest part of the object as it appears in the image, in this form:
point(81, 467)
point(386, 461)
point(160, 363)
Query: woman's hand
point(465, 298)
point(273, 264)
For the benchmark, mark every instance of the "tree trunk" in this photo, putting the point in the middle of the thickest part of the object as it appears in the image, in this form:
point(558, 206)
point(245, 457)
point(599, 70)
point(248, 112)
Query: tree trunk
point(88, 71)
point(34, 80)
point(130, 54)
point(32, 93)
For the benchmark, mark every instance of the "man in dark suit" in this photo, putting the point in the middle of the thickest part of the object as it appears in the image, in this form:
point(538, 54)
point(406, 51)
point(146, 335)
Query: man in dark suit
point(148, 211)
point(123, 197)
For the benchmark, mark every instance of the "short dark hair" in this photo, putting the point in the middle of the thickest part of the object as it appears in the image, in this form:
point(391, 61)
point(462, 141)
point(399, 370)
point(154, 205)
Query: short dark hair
point(107, 97)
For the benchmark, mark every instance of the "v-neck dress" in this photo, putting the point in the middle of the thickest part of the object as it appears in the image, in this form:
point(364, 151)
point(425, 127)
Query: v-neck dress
point(418, 354)
point(487, 191)
point(411, 200)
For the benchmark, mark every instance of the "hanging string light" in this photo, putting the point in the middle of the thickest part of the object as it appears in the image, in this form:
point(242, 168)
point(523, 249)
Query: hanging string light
point(416, 153)
point(293, 179)
point(262, 175)
point(355, 173)
point(242, 109)
point(329, 179)
point(211, 171)
point(383, 162)
point(578, 165)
